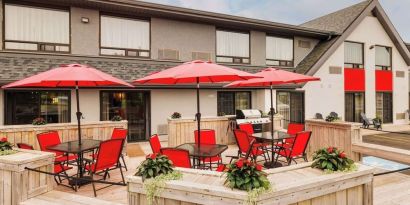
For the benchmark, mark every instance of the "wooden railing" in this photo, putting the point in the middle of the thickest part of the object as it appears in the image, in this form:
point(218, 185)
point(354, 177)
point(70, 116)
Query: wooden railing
point(100, 130)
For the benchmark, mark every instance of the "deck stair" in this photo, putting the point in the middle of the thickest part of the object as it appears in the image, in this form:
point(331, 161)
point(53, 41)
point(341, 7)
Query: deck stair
point(63, 198)
point(385, 152)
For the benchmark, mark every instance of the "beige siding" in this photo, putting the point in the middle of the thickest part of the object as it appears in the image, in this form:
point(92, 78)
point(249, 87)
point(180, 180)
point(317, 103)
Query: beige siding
point(85, 36)
point(301, 53)
point(258, 48)
point(89, 105)
point(182, 36)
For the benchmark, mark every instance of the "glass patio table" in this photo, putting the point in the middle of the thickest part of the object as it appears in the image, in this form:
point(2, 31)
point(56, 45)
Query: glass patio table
point(72, 147)
point(278, 136)
point(205, 151)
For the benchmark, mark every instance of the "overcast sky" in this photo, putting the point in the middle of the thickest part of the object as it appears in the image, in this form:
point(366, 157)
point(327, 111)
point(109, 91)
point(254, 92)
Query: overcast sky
point(295, 11)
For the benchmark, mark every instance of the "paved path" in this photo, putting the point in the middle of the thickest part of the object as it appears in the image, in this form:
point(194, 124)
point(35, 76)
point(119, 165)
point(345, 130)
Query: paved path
point(399, 140)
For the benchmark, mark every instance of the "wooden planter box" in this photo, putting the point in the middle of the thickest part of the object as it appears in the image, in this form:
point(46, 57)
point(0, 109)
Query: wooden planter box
point(18, 184)
point(100, 130)
point(296, 184)
point(339, 134)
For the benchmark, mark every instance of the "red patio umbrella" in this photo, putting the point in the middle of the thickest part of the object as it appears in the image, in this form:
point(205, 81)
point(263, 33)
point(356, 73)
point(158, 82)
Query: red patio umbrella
point(196, 72)
point(270, 77)
point(72, 75)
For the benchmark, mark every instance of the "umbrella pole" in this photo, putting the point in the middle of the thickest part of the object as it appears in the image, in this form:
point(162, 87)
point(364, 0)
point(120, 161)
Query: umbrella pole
point(78, 113)
point(198, 118)
point(272, 112)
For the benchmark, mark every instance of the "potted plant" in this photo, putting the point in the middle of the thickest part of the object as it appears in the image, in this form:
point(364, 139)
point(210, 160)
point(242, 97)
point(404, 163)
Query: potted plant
point(332, 117)
point(116, 118)
point(6, 148)
point(331, 160)
point(176, 115)
point(248, 176)
point(155, 171)
point(221, 114)
point(39, 121)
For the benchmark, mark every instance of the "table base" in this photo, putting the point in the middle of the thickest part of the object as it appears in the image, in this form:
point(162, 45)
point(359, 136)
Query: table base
point(272, 164)
point(80, 181)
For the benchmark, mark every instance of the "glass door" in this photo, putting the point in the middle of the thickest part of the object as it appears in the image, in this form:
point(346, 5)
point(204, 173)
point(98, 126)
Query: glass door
point(354, 105)
point(384, 107)
point(130, 105)
point(291, 105)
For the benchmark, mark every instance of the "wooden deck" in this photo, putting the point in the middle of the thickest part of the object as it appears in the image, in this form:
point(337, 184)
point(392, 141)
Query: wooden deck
point(391, 189)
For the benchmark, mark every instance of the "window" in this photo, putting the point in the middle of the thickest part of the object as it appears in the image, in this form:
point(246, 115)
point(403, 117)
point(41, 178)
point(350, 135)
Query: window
point(279, 51)
point(125, 37)
point(229, 102)
point(353, 55)
point(22, 107)
point(291, 105)
point(384, 107)
point(354, 105)
point(383, 58)
point(36, 29)
point(232, 47)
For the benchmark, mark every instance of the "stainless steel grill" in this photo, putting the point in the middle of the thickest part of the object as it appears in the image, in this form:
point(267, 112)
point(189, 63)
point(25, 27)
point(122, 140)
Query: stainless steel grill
point(252, 116)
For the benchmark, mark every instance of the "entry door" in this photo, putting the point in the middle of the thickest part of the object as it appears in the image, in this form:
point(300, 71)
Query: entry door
point(291, 106)
point(132, 106)
point(384, 107)
point(354, 105)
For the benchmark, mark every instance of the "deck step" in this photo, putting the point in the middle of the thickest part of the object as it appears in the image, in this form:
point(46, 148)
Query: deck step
point(63, 198)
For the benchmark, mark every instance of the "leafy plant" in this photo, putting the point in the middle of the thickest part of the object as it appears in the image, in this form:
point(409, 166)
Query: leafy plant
point(154, 165)
point(6, 147)
point(221, 114)
point(155, 171)
point(176, 115)
point(332, 117)
point(377, 120)
point(331, 160)
point(248, 176)
point(39, 121)
point(116, 118)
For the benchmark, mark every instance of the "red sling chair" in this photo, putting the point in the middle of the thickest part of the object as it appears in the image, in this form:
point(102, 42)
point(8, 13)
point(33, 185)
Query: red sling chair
point(51, 138)
point(179, 157)
point(108, 159)
point(244, 144)
point(297, 149)
point(208, 137)
point(248, 128)
point(155, 144)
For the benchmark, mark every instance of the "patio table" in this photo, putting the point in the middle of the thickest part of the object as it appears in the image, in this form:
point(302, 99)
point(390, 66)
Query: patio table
point(278, 136)
point(205, 151)
point(73, 147)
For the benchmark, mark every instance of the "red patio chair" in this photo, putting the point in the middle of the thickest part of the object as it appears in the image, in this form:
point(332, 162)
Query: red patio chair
point(248, 128)
point(293, 129)
point(61, 169)
point(179, 157)
point(25, 146)
point(155, 144)
point(208, 137)
point(244, 143)
point(120, 133)
point(51, 138)
point(297, 150)
point(108, 158)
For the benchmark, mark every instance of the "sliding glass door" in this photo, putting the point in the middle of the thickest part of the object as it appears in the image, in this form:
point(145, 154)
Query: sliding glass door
point(129, 105)
point(354, 105)
point(291, 106)
point(384, 106)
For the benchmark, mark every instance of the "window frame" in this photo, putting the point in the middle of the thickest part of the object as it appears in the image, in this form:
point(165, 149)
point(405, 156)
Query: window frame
point(234, 100)
point(292, 62)
point(126, 50)
point(6, 103)
point(38, 44)
point(354, 65)
point(233, 57)
point(379, 67)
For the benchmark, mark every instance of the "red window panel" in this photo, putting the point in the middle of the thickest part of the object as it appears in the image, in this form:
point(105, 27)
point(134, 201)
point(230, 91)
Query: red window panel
point(384, 80)
point(354, 79)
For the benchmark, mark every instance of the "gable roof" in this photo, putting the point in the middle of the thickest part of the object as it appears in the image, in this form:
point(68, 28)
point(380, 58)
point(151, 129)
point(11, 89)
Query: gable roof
point(345, 21)
point(408, 46)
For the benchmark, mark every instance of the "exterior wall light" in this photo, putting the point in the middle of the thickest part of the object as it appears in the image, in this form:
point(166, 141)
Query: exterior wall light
point(371, 47)
point(85, 20)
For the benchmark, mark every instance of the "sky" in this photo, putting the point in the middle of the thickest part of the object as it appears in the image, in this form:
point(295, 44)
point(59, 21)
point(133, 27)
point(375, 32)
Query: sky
point(294, 11)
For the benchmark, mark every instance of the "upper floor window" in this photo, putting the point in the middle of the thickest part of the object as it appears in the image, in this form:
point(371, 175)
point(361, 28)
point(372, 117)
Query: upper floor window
point(232, 47)
point(36, 29)
point(125, 37)
point(383, 58)
point(354, 55)
point(279, 51)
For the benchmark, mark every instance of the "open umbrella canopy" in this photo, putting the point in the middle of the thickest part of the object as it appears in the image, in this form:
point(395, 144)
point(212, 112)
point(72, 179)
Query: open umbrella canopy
point(273, 76)
point(194, 72)
point(69, 76)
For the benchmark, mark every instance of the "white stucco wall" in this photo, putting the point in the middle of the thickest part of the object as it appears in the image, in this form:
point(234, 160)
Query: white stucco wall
point(89, 104)
point(371, 32)
point(328, 94)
